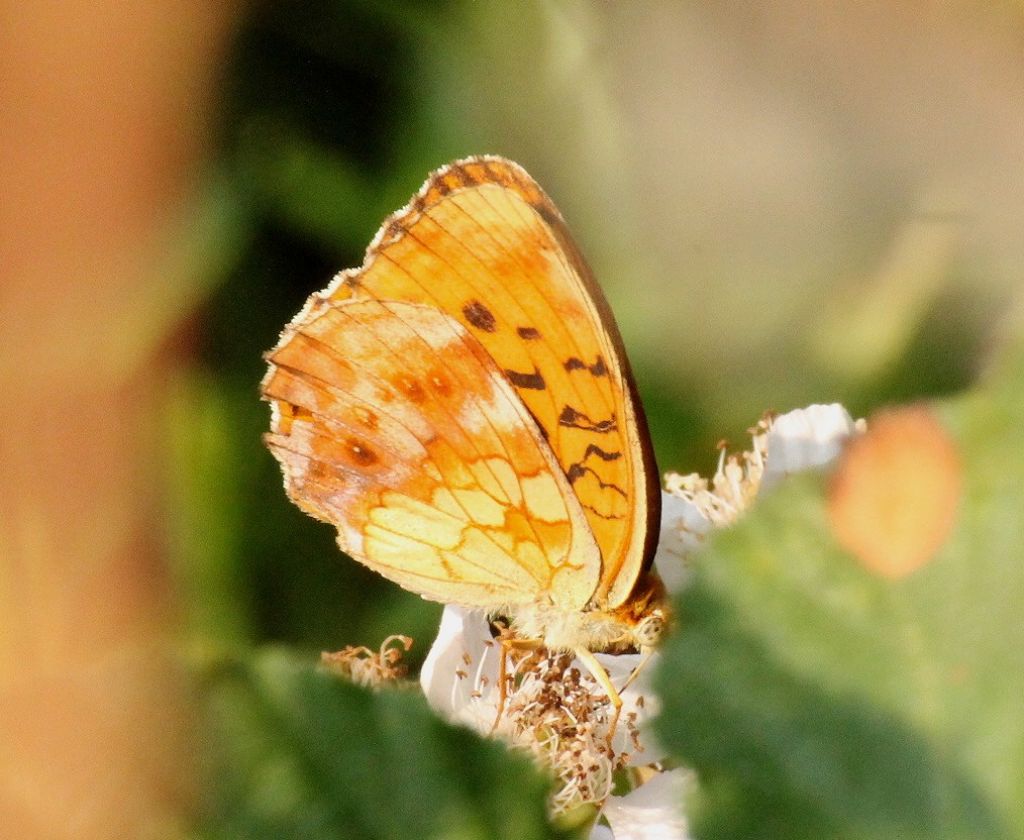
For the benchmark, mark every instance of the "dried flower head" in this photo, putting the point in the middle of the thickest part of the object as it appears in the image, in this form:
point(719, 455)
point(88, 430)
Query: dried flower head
point(371, 668)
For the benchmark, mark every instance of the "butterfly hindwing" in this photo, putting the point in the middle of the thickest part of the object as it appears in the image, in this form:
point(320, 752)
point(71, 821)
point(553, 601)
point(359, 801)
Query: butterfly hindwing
point(392, 423)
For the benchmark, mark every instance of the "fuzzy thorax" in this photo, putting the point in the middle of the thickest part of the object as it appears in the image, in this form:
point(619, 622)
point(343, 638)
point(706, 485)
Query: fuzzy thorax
point(636, 624)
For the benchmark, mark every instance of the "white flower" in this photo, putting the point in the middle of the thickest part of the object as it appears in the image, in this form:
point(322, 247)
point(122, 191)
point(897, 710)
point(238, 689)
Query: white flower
point(556, 710)
point(460, 674)
point(806, 439)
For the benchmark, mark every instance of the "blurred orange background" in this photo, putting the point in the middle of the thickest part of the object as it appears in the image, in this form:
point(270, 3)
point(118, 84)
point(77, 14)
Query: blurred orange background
point(105, 120)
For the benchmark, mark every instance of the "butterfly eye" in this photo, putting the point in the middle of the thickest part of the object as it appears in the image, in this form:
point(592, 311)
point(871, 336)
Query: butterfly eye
point(649, 630)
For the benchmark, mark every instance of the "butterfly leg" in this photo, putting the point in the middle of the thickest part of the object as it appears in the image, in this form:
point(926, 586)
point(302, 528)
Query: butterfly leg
point(599, 673)
point(502, 684)
point(508, 645)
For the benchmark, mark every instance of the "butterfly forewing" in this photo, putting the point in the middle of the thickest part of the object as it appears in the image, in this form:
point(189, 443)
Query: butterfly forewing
point(482, 243)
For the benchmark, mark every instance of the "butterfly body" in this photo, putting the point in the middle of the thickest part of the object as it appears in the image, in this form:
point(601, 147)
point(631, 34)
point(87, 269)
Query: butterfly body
point(637, 625)
point(461, 409)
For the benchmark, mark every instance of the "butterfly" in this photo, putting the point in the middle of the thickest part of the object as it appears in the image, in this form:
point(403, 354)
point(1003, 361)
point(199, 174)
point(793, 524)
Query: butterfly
point(461, 408)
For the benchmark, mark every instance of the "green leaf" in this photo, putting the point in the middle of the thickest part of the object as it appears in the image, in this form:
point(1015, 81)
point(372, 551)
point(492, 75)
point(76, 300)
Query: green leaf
point(816, 699)
point(302, 753)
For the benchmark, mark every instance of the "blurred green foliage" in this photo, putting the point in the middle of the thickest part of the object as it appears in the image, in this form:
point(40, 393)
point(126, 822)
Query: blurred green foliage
point(313, 756)
point(332, 114)
point(816, 699)
point(291, 752)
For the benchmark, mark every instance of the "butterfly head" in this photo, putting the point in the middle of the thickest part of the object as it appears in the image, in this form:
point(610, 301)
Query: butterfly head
point(650, 628)
point(645, 613)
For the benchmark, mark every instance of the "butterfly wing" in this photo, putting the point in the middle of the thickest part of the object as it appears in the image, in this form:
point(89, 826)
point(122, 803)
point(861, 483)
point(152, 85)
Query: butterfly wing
point(392, 423)
point(484, 244)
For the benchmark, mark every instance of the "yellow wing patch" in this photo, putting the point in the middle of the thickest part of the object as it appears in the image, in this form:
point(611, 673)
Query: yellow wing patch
point(392, 423)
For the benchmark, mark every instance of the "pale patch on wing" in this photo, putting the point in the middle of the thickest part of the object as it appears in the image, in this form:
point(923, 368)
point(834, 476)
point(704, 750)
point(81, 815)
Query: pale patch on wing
point(481, 507)
point(484, 471)
point(474, 422)
point(444, 500)
point(409, 517)
point(541, 494)
point(506, 477)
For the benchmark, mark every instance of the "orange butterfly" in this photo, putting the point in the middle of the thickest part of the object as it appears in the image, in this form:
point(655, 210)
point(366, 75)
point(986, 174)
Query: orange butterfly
point(461, 409)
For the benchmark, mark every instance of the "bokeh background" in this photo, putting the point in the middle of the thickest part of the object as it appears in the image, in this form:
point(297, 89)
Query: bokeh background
point(785, 204)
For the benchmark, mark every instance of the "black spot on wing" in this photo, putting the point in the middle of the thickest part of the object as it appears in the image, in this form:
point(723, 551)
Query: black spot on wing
point(594, 449)
point(575, 472)
point(528, 333)
point(599, 368)
point(578, 469)
point(575, 419)
point(534, 381)
point(479, 316)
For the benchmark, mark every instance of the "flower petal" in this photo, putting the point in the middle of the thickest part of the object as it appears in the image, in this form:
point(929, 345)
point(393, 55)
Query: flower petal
point(460, 674)
point(804, 439)
point(653, 811)
point(683, 528)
